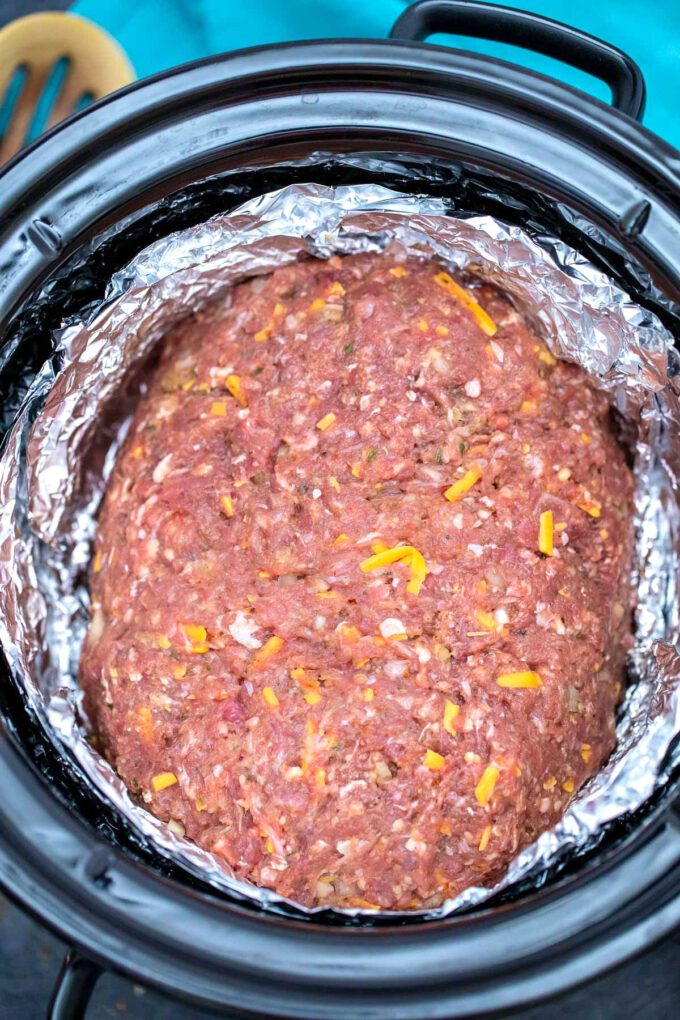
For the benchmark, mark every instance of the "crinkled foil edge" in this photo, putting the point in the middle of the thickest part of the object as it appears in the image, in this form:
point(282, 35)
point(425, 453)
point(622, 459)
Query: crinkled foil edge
point(48, 503)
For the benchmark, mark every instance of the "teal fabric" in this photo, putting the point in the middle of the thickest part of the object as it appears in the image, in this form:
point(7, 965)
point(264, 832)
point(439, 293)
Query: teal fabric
point(161, 33)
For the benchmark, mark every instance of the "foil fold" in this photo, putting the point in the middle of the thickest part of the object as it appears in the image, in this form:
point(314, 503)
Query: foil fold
point(62, 447)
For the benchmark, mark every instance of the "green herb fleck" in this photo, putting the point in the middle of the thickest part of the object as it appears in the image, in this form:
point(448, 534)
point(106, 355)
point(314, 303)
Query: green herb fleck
point(438, 455)
point(349, 348)
point(461, 448)
point(372, 454)
point(260, 368)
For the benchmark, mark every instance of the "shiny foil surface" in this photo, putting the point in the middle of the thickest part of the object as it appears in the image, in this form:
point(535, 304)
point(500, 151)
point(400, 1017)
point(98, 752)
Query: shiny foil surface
point(63, 445)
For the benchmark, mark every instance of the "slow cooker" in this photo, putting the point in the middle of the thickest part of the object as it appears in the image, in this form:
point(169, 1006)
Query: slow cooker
point(489, 137)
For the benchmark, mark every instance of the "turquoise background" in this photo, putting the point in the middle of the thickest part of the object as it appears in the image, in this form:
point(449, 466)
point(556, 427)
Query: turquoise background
point(161, 33)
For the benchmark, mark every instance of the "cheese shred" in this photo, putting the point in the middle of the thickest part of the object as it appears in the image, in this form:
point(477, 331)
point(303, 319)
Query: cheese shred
point(523, 679)
point(545, 533)
point(486, 323)
point(406, 554)
point(163, 780)
point(486, 784)
point(433, 761)
point(460, 487)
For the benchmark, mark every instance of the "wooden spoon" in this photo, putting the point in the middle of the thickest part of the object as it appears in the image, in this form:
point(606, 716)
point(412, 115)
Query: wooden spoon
point(96, 66)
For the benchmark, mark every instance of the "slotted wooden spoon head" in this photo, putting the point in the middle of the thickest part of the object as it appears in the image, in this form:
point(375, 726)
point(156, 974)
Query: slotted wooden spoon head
point(96, 66)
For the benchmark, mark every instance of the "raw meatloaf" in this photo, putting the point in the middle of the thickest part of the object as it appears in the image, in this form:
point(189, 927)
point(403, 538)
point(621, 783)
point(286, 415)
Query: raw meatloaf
point(360, 594)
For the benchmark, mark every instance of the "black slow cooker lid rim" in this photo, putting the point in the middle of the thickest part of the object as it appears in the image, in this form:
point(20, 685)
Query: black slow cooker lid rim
point(265, 63)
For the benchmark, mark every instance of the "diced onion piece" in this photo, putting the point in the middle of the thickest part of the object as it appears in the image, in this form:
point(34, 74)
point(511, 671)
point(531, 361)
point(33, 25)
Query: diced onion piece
point(526, 678)
point(460, 487)
point(270, 697)
point(233, 384)
point(451, 712)
point(163, 780)
point(269, 648)
point(393, 628)
point(545, 533)
point(455, 290)
point(433, 761)
point(486, 784)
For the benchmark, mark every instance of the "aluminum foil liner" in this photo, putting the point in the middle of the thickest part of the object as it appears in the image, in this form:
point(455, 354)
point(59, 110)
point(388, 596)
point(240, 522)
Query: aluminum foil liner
point(63, 444)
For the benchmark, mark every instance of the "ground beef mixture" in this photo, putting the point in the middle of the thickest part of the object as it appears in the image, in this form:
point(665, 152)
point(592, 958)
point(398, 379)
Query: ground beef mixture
point(360, 593)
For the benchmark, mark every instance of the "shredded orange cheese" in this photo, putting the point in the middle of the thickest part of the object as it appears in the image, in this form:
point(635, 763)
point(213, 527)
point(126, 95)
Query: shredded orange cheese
point(549, 783)
point(585, 752)
point(442, 330)
point(200, 804)
point(297, 673)
point(486, 620)
point(486, 836)
point(335, 483)
point(312, 697)
point(398, 271)
point(408, 555)
point(164, 641)
point(471, 476)
point(315, 305)
point(485, 321)
point(451, 712)
point(265, 334)
point(355, 470)
point(368, 694)
point(228, 506)
point(340, 539)
point(268, 649)
point(350, 635)
point(337, 288)
point(423, 325)
point(97, 565)
point(163, 780)
point(433, 761)
point(233, 384)
point(591, 507)
point(485, 786)
point(194, 631)
point(523, 679)
point(219, 408)
point(545, 533)
point(568, 786)
point(326, 422)
point(547, 358)
point(270, 697)
point(179, 672)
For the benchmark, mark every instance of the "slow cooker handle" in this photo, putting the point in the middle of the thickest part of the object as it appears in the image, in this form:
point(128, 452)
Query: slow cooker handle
point(532, 32)
point(73, 989)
